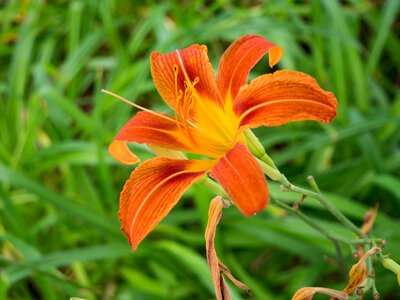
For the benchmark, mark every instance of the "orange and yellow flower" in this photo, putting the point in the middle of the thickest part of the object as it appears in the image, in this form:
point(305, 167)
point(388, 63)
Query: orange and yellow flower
point(211, 114)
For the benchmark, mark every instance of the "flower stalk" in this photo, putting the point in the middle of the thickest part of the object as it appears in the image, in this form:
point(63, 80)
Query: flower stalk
point(313, 224)
point(213, 186)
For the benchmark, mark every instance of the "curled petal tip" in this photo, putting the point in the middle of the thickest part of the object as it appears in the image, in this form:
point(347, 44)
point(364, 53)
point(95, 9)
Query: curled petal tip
point(240, 57)
point(121, 152)
point(275, 55)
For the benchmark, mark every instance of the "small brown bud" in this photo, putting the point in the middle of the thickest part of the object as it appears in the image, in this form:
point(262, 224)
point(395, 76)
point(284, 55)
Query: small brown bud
point(226, 203)
point(296, 205)
point(367, 216)
point(372, 274)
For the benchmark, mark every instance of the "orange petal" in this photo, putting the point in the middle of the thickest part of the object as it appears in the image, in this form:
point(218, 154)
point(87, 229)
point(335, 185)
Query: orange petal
point(243, 180)
point(240, 58)
point(282, 97)
point(216, 267)
point(191, 62)
point(120, 151)
point(153, 190)
point(307, 293)
point(164, 131)
point(358, 272)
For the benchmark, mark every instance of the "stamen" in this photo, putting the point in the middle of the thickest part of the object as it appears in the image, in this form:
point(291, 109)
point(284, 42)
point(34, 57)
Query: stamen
point(176, 80)
point(178, 95)
point(187, 105)
point(140, 107)
point(185, 100)
point(177, 105)
point(185, 126)
point(222, 129)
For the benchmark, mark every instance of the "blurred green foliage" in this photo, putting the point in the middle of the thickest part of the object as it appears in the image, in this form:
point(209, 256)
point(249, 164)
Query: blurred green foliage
point(59, 187)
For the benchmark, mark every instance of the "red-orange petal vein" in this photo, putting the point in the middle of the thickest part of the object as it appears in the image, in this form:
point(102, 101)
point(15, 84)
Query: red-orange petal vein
point(152, 190)
point(243, 180)
point(240, 58)
point(282, 97)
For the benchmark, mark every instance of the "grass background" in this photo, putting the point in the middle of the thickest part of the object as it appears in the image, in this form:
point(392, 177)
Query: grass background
point(59, 188)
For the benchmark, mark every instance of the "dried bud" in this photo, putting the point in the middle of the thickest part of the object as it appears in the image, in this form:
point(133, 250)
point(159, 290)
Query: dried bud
point(307, 293)
point(369, 219)
point(226, 203)
point(358, 272)
point(372, 274)
point(216, 267)
point(296, 205)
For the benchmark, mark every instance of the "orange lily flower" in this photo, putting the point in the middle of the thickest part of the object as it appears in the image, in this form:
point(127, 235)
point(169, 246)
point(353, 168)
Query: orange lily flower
point(210, 116)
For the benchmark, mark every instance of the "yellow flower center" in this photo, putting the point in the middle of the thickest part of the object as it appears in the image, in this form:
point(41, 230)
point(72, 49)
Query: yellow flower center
point(215, 126)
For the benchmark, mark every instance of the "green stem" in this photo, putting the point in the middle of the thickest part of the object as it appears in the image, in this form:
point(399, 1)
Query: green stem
point(298, 213)
point(328, 206)
point(371, 280)
point(353, 241)
point(313, 184)
point(271, 172)
point(213, 186)
point(267, 164)
point(316, 195)
point(313, 224)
